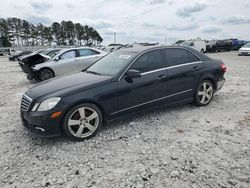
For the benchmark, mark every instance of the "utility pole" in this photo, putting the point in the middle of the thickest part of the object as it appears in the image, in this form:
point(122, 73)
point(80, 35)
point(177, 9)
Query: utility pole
point(114, 37)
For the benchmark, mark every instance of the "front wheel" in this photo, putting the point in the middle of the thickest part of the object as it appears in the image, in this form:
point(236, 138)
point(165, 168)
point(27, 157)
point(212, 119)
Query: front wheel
point(82, 121)
point(204, 93)
point(46, 74)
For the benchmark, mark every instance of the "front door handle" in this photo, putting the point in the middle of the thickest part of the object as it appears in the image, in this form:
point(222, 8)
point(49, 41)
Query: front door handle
point(161, 77)
point(196, 68)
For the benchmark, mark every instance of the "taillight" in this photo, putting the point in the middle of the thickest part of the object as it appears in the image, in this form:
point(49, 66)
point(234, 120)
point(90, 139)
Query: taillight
point(223, 67)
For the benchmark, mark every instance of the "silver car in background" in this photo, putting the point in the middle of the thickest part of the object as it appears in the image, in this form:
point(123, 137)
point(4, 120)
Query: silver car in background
point(66, 61)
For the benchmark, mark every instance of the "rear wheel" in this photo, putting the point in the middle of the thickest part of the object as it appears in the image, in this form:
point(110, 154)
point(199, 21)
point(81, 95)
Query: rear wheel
point(46, 74)
point(82, 121)
point(204, 93)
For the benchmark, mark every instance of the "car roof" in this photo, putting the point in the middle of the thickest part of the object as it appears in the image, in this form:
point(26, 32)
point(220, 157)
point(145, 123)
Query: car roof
point(140, 49)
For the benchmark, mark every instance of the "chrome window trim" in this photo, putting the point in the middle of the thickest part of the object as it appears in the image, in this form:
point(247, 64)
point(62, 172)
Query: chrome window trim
point(171, 67)
point(168, 96)
point(158, 48)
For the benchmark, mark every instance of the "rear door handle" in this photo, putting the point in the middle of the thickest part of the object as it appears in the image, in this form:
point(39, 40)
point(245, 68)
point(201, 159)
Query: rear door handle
point(161, 77)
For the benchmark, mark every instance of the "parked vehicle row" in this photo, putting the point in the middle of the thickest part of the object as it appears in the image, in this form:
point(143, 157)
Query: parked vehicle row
point(224, 45)
point(213, 45)
point(6, 51)
point(127, 80)
point(16, 55)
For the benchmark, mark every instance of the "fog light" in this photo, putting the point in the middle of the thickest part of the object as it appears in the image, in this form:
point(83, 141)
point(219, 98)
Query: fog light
point(56, 114)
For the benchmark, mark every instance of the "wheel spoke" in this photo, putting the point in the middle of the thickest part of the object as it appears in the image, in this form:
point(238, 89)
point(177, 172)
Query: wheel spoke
point(209, 89)
point(208, 96)
point(201, 93)
point(73, 122)
point(92, 116)
point(79, 131)
point(204, 86)
point(203, 99)
point(90, 127)
point(82, 112)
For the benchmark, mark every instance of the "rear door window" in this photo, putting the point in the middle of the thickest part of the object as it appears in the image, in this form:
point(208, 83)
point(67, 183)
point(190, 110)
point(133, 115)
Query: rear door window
point(176, 57)
point(87, 52)
point(192, 57)
point(179, 56)
point(148, 62)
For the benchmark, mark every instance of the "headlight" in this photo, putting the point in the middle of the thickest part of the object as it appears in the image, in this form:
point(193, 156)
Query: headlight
point(46, 104)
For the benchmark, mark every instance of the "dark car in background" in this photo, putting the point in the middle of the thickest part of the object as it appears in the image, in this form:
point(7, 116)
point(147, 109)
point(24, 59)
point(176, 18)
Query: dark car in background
point(16, 55)
point(2, 52)
point(35, 58)
point(224, 45)
point(124, 81)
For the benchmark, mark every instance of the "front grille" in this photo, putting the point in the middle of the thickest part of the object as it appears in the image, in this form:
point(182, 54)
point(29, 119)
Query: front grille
point(25, 102)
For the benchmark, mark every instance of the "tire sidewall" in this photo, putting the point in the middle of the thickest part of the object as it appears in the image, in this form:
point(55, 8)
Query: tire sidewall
point(68, 114)
point(196, 97)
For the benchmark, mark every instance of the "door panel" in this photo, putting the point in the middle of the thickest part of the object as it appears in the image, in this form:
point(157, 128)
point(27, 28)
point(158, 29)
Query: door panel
point(183, 71)
point(66, 64)
point(151, 86)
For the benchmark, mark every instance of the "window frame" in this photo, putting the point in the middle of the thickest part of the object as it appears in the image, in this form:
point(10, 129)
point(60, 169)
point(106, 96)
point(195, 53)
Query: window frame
point(144, 53)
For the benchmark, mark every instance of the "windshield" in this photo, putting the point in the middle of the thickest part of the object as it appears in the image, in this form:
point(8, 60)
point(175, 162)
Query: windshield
point(112, 64)
point(247, 45)
point(187, 43)
point(52, 53)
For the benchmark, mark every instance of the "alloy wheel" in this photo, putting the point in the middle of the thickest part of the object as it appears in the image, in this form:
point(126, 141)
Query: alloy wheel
point(205, 93)
point(46, 74)
point(83, 122)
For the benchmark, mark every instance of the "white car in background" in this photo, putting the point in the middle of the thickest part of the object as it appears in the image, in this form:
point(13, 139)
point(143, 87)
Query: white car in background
point(245, 50)
point(199, 45)
point(66, 61)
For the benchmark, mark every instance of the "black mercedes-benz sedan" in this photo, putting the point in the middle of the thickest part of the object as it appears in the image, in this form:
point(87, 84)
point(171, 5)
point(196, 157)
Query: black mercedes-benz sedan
point(125, 81)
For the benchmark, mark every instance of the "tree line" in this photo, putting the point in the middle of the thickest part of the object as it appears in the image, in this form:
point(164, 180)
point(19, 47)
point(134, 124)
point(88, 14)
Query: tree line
point(18, 32)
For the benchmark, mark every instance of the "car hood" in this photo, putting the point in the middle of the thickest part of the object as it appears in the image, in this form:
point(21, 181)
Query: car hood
point(245, 49)
point(34, 58)
point(68, 84)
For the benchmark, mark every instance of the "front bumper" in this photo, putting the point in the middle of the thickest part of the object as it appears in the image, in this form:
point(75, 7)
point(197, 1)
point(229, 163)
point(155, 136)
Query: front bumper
point(24, 67)
point(32, 74)
point(41, 124)
point(244, 52)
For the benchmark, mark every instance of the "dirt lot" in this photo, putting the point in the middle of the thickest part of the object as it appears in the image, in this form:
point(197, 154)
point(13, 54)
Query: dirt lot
point(185, 146)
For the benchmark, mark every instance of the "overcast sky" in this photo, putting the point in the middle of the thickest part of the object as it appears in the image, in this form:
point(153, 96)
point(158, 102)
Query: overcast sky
point(142, 20)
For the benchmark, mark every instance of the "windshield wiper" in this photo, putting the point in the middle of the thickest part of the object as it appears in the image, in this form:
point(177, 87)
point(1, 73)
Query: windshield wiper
point(93, 72)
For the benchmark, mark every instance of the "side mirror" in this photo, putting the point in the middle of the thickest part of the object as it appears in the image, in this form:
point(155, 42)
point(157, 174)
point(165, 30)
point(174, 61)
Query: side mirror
point(132, 73)
point(57, 59)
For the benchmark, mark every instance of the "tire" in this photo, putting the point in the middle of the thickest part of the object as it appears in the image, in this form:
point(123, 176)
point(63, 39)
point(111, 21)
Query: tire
point(204, 93)
point(82, 121)
point(45, 74)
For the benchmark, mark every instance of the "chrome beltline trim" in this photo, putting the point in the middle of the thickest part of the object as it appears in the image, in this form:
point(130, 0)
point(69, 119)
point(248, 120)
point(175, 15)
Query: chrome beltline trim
point(151, 101)
point(171, 67)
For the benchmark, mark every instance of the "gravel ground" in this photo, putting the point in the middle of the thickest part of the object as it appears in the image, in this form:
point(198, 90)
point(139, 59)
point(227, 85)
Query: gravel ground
point(184, 146)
